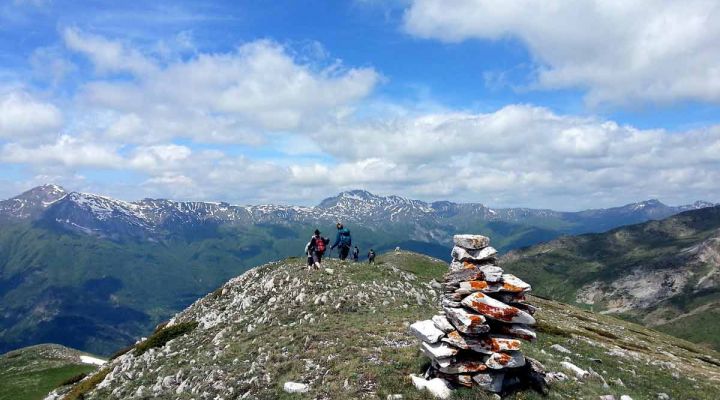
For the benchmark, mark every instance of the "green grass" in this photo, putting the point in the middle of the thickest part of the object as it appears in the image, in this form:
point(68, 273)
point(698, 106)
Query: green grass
point(30, 373)
point(35, 385)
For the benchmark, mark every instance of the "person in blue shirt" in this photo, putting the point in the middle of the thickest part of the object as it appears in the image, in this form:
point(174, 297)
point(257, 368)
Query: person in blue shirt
point(343, 241)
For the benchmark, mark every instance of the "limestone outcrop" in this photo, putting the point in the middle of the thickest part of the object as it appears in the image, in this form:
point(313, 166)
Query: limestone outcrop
point(476, 341)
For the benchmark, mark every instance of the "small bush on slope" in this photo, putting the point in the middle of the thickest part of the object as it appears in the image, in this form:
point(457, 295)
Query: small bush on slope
point(164, 335)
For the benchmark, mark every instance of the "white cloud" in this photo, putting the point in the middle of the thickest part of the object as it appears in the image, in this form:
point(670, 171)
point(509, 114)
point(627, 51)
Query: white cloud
point(108, 56)
point(231, 97)
point(23, 117)
point(67, 151)
point(650, 50)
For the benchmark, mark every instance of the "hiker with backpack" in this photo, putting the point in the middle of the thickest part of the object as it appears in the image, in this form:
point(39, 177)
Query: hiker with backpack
point(371, 256)
point(343, 241)
point(316, 249)
point(356, 254)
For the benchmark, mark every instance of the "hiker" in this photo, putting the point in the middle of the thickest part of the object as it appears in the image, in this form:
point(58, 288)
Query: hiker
point(371, 256)
point(316, 249)
point(308, 253)
point(356, 254)
point(343, 241)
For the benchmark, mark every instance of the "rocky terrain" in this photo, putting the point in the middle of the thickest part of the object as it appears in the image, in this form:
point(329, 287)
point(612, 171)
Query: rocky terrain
point(29, 373)
point(664, 274)
point(342, 332)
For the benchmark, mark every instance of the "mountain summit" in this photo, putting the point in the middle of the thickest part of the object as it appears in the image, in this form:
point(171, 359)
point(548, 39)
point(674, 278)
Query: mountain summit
point(342, 333)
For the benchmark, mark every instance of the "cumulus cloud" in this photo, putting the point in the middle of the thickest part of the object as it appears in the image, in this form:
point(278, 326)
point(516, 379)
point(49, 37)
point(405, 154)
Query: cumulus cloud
point(23, 117)
point(520, 154)
point(621, 52)
point(108, 56)
point(228, 97)
point(67, 151)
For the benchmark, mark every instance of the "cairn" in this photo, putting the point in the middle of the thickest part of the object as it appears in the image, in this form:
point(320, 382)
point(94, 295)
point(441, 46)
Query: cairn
point(476, 341)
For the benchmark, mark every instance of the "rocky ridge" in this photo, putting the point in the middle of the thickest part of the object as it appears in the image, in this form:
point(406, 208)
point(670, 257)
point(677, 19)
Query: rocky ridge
point(343, 333)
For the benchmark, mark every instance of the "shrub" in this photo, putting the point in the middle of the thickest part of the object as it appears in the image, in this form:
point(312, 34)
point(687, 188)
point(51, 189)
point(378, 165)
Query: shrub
point(73, 379)
point(164, 335)
point(82, 388)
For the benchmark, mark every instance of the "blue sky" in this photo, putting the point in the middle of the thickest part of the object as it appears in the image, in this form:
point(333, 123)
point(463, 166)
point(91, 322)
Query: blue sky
point(578, 105)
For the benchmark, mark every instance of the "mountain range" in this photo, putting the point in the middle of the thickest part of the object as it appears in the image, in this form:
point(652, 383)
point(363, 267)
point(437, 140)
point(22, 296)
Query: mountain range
point(155, 219)
point(96, 273)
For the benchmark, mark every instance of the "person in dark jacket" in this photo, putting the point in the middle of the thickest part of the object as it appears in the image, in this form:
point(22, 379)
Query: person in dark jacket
point(343, 241)
point(356, 254)
point(371, 256)
point(316, 248)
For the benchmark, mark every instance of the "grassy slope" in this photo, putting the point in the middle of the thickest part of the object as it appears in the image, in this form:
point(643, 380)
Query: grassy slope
point(30, 373)
point(357, 345)
point(559, 268)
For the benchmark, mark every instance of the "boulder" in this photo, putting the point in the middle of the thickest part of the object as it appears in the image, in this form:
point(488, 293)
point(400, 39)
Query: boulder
point(295, 387)
point(471, 241)
point(577, 371)
point(491, 308)
point(426, 331)
point(438, 387)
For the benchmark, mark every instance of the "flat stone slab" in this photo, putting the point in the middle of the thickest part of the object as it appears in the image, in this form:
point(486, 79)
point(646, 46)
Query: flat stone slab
point(471, 241)
point(466, 321)
point(490, 381)
point(458, 379)
point(426, 331)
point(464, 367)
point(511, 283)
point(462, 254)
point(467, 271)
point(516, 330)
point(483, 344)
point(439, 350)
point(441, 322)
point(511, 359)
point(491, 308)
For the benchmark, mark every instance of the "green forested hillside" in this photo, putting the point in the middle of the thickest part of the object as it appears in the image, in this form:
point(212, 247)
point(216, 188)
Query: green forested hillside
point(664, 274)
point(97, 294)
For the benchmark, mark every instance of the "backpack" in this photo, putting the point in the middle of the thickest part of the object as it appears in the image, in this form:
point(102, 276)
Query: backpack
point(320, 245)
point(345, 239)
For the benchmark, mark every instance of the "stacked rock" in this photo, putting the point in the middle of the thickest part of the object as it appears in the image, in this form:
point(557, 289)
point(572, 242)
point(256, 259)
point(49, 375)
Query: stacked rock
point(476, 341)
